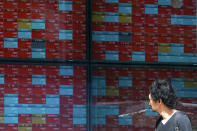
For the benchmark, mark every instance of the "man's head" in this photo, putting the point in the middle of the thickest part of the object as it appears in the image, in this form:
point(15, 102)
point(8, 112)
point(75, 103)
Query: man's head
point(162, 93)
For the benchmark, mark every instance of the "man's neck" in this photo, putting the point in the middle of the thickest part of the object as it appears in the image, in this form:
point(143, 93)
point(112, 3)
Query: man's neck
point(167, 113)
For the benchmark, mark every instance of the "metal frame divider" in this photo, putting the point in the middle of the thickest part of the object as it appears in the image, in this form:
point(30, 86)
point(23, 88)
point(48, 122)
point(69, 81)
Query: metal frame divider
point(89, 59)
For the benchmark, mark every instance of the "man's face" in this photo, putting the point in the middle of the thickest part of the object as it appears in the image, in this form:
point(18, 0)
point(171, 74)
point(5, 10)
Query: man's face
point(153, 104)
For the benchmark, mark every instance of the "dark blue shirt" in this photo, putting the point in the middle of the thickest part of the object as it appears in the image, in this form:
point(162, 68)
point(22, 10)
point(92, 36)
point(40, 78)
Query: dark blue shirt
point(178, 122)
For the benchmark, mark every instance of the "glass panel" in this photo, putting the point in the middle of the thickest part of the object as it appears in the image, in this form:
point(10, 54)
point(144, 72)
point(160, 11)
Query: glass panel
point(53, 97)
point(54, 29)
point(120, 96)
point(162, 31)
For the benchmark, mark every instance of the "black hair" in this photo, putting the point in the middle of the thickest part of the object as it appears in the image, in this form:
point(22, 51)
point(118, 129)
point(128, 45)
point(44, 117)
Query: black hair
point(162, 90)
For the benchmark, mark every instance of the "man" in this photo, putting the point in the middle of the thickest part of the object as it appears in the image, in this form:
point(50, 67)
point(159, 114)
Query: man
point(162, 99)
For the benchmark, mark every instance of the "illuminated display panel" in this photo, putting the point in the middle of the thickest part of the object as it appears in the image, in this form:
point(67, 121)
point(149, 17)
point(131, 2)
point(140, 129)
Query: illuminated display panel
point(35, 97)
point(53, 29)
point(40, 97)
point(120, 96)
point(144, 31)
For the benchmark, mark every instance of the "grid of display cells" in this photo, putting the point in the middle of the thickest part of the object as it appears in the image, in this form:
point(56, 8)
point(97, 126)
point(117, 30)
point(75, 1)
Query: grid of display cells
point(37, 97)
point(120, 96)
point(43, 29)
point(144, 31)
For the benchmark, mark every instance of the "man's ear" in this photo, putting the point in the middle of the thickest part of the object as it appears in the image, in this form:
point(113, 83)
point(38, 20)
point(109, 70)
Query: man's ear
point(160, 101)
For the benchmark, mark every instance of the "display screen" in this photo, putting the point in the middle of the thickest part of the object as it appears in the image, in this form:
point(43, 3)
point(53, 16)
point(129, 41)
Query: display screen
point(144, 30)
point(80, 96)
point(54, 29)
point(42, 98)
point(120, 96)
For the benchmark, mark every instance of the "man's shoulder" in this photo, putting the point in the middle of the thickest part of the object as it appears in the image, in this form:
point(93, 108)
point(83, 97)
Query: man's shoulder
point(182, 121)
point(181, 116)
